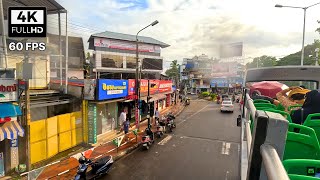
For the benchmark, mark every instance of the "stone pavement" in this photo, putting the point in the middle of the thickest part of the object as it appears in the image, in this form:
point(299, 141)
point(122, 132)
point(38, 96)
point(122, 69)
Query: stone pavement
point(66, 169)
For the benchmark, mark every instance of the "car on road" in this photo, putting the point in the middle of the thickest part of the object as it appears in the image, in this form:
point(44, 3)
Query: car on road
point(227, 106)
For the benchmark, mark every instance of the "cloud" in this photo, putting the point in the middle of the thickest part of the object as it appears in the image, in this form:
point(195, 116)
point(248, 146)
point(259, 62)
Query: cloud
point(194, 27)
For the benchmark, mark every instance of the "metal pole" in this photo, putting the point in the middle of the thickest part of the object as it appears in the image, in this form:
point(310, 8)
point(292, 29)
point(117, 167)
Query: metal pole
point(148, 116)
point(137, 85)
point(28, 116)
point(67, 54)
point(60, 50)
point(4, 40)
point(304, 29)
point(317, 55)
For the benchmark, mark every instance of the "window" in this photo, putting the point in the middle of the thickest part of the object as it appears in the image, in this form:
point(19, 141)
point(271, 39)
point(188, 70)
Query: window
point(111, 61)
point(149, 63)
point(131, 62)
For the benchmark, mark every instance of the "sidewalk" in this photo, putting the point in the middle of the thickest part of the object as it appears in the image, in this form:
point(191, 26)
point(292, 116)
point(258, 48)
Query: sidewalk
point(66, 169)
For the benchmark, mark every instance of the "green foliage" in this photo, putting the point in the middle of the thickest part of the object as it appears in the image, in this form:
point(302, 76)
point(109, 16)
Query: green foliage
point(173, 72)
point(292, 59)
point(262, 61)
point(205, 94)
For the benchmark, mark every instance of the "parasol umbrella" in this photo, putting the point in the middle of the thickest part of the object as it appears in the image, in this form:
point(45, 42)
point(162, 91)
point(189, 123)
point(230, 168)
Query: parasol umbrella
point(268, 88)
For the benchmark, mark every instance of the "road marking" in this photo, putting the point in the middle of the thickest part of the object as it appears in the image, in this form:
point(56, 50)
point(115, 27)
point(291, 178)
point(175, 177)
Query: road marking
point(206, 139)
point(193, 114)
point(225, 148)
point(165, 140)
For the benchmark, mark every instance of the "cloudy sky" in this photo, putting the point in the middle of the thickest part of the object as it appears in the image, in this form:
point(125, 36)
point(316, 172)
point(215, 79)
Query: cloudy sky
point(194, 27)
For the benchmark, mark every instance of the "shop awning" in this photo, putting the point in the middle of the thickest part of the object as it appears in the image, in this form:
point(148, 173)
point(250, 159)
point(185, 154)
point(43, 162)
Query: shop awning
point(9, 110)
point(11, 130)
point(154, 97)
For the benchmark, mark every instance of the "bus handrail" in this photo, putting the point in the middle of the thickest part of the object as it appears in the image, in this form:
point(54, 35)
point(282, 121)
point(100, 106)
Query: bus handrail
point(272, 163)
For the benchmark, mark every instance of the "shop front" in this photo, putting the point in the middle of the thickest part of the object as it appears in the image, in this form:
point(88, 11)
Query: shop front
point(103, 111)
point(11, 132)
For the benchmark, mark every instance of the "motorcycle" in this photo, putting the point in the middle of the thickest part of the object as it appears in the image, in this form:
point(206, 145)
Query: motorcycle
point(160, 129)
point(171, 118)
point(147, 140)
point(99, 167)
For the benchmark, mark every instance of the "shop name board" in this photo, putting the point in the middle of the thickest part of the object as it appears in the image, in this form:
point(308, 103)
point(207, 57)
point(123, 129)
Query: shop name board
point(112, 88)
point(125, 45)
point(165, 86)
point(8, 90)
point(156, 86)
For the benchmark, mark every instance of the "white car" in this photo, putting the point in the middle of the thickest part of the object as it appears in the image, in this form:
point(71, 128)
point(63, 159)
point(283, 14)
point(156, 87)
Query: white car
point(227, 106)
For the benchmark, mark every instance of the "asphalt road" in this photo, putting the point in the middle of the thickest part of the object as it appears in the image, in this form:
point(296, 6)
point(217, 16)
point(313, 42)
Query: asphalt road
point(205, 145)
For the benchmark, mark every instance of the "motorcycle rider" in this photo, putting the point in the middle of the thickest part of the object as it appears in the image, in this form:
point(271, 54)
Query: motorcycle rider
point(149, 132)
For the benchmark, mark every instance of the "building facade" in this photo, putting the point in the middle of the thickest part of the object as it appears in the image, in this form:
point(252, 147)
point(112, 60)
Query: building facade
point(114, 55)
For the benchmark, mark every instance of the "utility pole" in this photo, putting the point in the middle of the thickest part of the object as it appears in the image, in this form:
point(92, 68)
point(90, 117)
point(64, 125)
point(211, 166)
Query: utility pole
point(317, 55)
point(148, 98)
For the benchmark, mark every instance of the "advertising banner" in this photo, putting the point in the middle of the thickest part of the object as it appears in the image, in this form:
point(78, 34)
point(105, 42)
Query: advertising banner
point(8, 90)
point(219, 82)
point(125, 45)
point(165, 86)
point(92, 123)
point(224, 69)
point(112, 88)
point(131, 86)
point(144, 86)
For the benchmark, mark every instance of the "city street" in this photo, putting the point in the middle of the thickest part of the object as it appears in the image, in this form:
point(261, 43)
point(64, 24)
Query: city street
point(205, 145)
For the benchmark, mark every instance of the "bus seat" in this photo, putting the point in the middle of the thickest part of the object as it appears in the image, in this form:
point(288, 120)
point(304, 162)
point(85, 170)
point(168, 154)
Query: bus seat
point(283, 113)
point(261, 101)
point(313, 121)
point(301, 143)
point(305, 167)
point(266, 105)
point(301, 177)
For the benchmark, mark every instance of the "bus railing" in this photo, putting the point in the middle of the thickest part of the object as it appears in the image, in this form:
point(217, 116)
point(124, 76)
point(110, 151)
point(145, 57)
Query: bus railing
point(259, 157)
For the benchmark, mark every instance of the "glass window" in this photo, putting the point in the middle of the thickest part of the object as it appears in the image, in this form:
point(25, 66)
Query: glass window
point(131, 62)
point(111, 61)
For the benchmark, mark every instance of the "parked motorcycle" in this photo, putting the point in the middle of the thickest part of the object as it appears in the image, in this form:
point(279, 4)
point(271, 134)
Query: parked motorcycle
point(147, 139)
point(98, 167)
point(171, 118)
point(160, 128)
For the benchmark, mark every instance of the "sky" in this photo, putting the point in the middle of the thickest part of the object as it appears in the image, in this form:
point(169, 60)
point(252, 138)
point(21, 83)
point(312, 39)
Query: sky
point(195, 27)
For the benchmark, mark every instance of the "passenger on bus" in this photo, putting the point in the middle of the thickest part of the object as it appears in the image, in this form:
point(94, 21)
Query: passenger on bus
point(257, 95)
point(296, 96)
point(311, 105)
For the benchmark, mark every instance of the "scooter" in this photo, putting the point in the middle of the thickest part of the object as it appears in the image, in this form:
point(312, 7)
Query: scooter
point(100, 167)
point(147, 139)
point(170, 124)
point(160, 129)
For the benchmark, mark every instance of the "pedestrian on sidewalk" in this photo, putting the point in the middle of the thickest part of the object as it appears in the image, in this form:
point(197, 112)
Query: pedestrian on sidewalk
point(122, 118)
point(126, 126)
point(157, 115)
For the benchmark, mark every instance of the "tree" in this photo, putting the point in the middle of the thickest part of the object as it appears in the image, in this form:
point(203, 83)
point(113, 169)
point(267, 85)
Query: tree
point(318, 29)
point(173, 72)
point(262, 61)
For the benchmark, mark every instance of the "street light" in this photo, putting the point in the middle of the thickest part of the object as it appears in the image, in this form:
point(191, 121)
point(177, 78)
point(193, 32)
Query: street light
point(304, 24)
point(137, 90)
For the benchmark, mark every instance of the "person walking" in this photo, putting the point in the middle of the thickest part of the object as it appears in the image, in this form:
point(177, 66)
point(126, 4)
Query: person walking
point(126, 126)
point(122, 118)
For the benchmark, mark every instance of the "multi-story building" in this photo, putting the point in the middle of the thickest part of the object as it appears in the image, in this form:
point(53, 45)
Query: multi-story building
point(202, 73)
point(114, 55)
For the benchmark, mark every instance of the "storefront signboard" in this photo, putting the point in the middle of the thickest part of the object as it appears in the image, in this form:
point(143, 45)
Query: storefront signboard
point(14, 153)
point(165, 86)
point(154, 86)
point(92, 123)
point(168, 100)
point(1, 165)
point(125, 45)
point(8, 90)
point(111, 89)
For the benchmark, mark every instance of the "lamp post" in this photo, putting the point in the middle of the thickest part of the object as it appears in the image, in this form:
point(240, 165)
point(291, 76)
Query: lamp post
point(137, 76)
point(304, 24)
